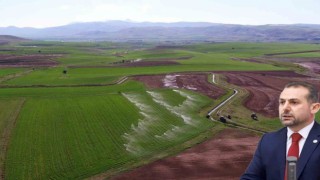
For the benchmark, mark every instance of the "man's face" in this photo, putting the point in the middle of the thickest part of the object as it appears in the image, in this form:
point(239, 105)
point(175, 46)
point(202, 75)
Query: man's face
point(295, 111)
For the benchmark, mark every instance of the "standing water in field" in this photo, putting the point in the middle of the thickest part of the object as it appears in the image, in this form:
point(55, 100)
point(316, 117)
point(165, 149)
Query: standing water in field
point(164, 120)
point(143, 126)
point(184, 110)
point(170, 81)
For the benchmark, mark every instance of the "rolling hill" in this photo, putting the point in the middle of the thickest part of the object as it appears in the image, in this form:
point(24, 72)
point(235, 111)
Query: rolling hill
point(5, 39)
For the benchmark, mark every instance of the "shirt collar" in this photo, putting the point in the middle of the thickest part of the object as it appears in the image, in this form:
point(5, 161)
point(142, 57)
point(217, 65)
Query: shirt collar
point(304, 132)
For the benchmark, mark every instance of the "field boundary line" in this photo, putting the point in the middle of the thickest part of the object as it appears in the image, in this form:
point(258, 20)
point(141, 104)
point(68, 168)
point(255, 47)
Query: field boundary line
point(15, 75)
point(119, 81)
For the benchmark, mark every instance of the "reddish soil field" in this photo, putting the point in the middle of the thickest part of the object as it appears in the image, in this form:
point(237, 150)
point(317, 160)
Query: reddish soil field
point(28, 60)
point(223, 157)
point(313, 66)
point(197, 82)
point(265, 88)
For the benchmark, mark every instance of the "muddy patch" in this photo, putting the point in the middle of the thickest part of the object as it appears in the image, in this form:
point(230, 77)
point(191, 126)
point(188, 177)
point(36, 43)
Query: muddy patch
point(197, 82)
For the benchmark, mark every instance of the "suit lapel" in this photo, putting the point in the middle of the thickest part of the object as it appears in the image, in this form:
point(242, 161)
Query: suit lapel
point(282, 155)
point(308, 148)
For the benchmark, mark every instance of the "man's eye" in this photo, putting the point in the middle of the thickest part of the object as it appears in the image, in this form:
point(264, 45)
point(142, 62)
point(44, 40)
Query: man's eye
point(281, 102)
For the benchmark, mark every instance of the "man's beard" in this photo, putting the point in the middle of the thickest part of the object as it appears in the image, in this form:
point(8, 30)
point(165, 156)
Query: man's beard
point(289, 120)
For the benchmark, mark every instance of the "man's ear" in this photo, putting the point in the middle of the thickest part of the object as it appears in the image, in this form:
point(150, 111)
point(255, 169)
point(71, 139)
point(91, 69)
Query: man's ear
point(315, 108)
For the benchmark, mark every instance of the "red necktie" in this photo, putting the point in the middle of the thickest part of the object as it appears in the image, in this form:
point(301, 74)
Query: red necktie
point(294, 148)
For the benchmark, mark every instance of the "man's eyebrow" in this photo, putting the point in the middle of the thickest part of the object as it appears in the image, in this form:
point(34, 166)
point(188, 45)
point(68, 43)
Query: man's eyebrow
point(292, 99)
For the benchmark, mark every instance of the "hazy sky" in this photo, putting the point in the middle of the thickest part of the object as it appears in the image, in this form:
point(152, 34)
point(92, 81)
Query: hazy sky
point(46, 13)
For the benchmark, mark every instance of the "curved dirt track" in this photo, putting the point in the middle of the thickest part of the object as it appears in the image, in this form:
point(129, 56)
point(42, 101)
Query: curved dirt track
point(223, 157)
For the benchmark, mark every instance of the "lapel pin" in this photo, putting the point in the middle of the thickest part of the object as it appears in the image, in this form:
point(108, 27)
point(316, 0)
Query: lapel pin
point(315, 141)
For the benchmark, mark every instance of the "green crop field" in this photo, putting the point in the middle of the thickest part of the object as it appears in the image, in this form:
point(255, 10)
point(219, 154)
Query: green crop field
point(78, 124)
point(63, 137)
point(9, 71)
point(198, 61)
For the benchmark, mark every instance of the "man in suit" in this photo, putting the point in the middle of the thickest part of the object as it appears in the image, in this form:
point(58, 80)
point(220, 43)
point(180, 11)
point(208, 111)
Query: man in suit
point(298, 104)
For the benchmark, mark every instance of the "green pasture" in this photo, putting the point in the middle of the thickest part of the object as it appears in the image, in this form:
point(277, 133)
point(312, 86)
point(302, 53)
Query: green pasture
point(65, 138)
point(68, 137)
point(9, 71)
point(55, 92)
point(55, 76)
point(302, 55)
point(245, 50)
point(202, 57)
point(106, 75)
point(158, 54)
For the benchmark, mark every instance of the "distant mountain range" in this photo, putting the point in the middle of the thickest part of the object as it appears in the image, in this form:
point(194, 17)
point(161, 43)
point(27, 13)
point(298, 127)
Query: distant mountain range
point(180, 31)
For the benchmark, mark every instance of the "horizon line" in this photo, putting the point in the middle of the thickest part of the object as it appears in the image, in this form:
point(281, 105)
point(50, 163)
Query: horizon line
point(133, 21)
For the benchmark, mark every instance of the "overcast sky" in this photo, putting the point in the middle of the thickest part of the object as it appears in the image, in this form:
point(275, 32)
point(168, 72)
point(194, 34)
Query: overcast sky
point(48, 13)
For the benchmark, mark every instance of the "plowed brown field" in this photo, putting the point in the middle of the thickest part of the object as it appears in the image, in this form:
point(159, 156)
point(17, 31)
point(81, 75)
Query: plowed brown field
point(265, 88)
point(28, 60)
point(223, 157)
point(197, 82)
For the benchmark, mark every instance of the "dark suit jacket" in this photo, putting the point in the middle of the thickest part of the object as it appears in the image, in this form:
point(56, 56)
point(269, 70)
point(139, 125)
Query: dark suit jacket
point(269, 160)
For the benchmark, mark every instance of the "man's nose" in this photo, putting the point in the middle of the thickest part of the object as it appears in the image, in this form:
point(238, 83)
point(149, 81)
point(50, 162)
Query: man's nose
point(286, 107)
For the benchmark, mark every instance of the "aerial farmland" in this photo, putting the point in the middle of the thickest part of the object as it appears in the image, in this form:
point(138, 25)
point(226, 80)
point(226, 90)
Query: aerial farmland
point(111, 110)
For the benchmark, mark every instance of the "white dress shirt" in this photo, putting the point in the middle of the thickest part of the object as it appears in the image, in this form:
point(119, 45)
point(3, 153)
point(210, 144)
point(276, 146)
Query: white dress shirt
point(304, 132)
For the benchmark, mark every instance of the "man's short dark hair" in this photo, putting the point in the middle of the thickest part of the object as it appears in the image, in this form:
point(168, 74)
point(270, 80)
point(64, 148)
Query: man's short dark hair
point(313, 91)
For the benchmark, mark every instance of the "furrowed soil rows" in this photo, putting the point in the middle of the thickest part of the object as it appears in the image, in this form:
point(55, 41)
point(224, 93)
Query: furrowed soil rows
point(27, 60)
point(265, 88)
